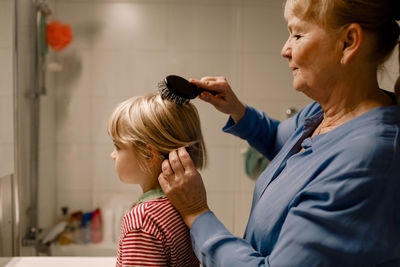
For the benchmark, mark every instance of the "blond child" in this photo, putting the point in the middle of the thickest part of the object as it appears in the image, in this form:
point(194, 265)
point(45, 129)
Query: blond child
point(144, 130)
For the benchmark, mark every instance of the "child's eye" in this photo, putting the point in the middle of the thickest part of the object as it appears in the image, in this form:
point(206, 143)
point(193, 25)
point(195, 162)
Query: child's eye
point(297, 36)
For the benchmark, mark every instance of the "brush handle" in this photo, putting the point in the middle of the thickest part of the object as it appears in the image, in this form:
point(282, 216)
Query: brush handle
point(198, 90)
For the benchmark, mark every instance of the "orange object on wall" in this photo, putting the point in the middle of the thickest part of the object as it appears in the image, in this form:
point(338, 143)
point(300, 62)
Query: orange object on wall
point(58, 35)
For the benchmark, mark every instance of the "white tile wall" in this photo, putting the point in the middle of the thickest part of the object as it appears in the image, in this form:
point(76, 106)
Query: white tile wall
point(137, 26)
point(220, 202)
point(47, 185)
point(74, 80)
point(74, 167)
point(212, 129)
point(6, 159)
point(6, 90)
point(6, 71)
point(6, 111)
point(75, 200)
point(6, 25)
point(123, 48)
point(73, 120)
point(266, 77)
point(198, 27)
point(264, 29)
point(219, 174)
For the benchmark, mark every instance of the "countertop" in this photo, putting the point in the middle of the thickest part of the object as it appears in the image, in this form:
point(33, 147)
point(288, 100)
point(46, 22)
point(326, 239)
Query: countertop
point(58, 261)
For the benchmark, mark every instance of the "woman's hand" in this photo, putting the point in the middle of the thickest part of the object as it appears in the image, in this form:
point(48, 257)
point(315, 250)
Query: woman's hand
point(182, 184)
point(225, 101)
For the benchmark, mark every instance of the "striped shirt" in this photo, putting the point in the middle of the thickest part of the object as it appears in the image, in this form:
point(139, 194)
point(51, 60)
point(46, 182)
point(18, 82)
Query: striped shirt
point(154, 234)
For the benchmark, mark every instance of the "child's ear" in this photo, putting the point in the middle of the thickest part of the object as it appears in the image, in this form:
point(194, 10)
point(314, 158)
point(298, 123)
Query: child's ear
point(154, 155)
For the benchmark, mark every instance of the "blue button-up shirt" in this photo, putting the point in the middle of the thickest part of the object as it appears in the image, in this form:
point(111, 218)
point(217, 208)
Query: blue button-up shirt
point(334, 203)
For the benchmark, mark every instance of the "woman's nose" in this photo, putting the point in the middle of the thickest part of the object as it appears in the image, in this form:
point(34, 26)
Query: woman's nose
point(286, 50)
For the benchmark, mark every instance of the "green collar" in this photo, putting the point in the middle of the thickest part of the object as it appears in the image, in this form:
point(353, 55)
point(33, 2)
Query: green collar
point(152, 194)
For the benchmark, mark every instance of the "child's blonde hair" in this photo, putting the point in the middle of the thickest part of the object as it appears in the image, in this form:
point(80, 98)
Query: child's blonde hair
point(151, 123)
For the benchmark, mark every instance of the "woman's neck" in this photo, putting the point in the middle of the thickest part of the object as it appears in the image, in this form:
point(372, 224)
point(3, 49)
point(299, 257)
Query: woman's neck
point(351, 100)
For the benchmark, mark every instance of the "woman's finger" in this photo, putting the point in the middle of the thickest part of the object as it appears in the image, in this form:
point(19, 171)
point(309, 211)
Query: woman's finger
point(175, 162)
point(208, 78)
point(166, 168)
point(216, 101)
point(211, 85)
point(164, 183)
point(185, 159)
point(206, 96)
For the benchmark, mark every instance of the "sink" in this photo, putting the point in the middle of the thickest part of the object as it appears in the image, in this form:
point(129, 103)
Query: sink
point(58, 261)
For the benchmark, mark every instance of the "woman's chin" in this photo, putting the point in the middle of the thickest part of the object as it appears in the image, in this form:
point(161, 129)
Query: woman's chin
point(297, 87)
point(300, 85)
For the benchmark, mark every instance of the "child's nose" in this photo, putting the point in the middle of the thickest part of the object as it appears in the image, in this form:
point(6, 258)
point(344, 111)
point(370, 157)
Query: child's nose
point(112, 154)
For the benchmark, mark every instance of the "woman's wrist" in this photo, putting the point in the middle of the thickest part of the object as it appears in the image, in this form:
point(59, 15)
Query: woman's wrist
point(190, 218)
point(239, 114)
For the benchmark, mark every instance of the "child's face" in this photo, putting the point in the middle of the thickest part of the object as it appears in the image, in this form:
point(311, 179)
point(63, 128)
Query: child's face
point(127, 165)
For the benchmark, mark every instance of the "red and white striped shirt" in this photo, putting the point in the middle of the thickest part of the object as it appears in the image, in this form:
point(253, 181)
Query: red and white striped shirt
point(154, 234)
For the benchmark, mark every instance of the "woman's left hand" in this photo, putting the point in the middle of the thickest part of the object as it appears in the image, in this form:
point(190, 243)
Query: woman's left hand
point(183, 185)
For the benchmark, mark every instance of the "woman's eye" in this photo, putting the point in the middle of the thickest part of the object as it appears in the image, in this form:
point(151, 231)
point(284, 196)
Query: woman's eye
point(116, 146)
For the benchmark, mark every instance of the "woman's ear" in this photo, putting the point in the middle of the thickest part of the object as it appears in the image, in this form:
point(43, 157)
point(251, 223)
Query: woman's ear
point(351, 39)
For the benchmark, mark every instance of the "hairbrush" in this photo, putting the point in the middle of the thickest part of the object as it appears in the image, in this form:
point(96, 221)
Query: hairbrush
point(179, 90)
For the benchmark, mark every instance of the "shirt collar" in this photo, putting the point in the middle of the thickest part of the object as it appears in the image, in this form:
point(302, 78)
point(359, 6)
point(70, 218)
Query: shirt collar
point(150, 195)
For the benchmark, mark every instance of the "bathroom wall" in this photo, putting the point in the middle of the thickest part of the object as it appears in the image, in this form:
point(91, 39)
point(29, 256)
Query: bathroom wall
point(7, 128)
point(6, 88)
point(122, 48)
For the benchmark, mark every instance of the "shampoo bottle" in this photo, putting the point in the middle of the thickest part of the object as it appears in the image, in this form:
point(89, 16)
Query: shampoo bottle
point(96, 226)
point(87, 227)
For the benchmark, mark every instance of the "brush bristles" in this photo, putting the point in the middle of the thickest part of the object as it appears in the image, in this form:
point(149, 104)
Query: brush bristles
point(167, 94)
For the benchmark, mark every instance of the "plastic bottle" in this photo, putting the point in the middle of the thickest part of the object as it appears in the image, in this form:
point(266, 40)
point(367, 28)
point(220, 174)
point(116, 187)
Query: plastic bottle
point(64, 215)
point(76, 226)
point(87, 227)
point(65, 238)
point(107, 225)
point(96, 226)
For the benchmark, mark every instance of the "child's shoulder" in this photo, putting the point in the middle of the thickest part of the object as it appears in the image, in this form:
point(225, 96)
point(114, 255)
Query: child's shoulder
point(142, 212)
point(156, 208)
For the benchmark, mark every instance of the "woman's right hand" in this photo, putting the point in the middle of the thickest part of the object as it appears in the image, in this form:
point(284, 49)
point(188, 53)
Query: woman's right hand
point(225, 100)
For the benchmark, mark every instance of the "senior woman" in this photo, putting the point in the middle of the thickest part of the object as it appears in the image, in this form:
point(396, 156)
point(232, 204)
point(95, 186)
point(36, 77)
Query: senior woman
point(331, 194)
